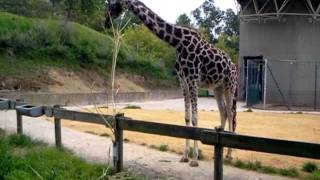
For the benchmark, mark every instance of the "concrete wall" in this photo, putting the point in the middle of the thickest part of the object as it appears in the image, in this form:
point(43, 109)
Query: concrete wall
point(294, 38)
point(90, 98)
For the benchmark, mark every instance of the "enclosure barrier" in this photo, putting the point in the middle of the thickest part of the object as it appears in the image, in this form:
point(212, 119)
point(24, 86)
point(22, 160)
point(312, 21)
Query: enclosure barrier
point(219, 139)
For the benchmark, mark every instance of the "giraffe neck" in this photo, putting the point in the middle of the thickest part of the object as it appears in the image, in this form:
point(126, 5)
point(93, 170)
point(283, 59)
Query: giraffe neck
point(164, 30)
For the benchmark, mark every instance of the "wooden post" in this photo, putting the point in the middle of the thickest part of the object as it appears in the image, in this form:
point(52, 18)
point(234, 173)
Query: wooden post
point(118, 145)
point(218, 158)
point(19, 123)
point(57, 129)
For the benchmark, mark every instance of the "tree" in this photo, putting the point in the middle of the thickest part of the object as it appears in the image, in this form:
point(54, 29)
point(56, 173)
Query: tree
point(70, 7)
point(230, 44)
point(184, 20)
point(209, 17)
point(231, 21)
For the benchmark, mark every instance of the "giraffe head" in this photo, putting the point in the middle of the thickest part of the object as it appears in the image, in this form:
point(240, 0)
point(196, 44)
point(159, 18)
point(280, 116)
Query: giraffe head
point(114, 10)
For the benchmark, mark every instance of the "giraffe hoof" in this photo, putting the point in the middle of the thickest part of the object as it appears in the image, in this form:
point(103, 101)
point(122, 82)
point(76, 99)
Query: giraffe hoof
point(184, 160)
point(194, 164)
point(218, 128)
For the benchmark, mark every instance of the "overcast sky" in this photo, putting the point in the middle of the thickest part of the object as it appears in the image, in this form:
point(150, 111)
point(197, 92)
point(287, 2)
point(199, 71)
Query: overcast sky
point(171, 9)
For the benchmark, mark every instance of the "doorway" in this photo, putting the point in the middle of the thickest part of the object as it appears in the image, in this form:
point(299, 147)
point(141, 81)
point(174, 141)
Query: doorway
point(255, 77)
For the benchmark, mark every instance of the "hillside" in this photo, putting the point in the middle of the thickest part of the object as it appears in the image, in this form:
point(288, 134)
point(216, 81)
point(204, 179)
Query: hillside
point(59, 56)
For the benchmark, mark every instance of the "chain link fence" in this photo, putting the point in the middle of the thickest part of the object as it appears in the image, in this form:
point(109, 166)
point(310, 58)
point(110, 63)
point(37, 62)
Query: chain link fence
point(283, 84)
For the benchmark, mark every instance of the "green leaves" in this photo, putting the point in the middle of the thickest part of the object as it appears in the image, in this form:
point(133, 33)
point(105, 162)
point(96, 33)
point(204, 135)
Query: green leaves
point(149, 47)
point(216, 26)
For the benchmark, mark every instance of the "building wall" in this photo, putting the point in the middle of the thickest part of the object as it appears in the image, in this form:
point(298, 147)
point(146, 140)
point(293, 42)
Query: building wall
point(294, 38)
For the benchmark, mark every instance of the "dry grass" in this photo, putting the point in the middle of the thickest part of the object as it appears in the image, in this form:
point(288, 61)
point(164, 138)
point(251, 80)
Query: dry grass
point(299, 127)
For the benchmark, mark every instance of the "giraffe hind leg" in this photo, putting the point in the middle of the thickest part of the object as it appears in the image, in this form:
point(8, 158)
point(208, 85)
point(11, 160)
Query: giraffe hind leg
point(228, 99)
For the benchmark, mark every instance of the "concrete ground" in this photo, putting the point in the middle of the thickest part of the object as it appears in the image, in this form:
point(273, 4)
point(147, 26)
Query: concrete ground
point(208, 104)
point(152, 163)
point(204, 103)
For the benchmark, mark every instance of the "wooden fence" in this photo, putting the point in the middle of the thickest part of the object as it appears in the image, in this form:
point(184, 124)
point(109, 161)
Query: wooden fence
point(219, 139)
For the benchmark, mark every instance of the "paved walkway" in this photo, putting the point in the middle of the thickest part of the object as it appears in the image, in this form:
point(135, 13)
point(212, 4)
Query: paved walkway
point(147, 161)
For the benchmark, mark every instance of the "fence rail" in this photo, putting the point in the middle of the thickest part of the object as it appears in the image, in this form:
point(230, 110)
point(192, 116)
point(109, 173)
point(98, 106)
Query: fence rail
point(219, 139)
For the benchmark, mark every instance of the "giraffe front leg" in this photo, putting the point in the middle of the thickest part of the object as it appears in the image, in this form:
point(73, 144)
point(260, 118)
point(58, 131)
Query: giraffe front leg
point(194, 104)
point(218, 92)
point(185, 157)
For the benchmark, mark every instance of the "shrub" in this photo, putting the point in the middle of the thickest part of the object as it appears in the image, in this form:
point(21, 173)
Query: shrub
point(2, 133)
point(309, 167)
point(257, 166)
point(268, 170)
point(132, 107)
point(313, 176)
point(20, 140)
point(291, 172)
point(105, 135)
point(147, 45)
point(6, 160)
point(248, 110)
point(163, 147)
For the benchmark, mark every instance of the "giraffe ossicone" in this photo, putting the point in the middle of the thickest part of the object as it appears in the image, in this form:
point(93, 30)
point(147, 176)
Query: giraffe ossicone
point(198, 64)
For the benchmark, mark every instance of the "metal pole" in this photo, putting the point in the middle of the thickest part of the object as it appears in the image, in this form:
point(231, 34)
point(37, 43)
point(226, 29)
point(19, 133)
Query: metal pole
point(290, 85)
point(118, 145)
point(276, 83)
point(57, 129)
point(265, 85)
point(218, 158)
point(247, 81)
point(19, 123)
point(315, 87)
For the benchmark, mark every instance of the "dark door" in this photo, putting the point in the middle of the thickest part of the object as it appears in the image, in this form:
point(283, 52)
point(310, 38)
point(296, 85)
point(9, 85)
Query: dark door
point(255, 79)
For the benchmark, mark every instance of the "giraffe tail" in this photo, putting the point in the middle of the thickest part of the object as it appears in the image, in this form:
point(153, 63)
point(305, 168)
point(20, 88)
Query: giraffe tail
point(234, 109)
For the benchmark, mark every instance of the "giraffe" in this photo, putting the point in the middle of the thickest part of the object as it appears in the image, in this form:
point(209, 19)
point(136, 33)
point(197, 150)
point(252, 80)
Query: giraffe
point(199, 64)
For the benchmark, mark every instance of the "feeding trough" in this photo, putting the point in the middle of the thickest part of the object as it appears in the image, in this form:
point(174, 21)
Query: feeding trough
point(4, 103)
point(30, 110)
point(14, 104)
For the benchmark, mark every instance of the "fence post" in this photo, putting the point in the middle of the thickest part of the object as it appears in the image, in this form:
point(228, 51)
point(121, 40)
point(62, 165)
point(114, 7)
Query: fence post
point(218, 158)
point(19, 123)
point(57, 129)
point(118, 145)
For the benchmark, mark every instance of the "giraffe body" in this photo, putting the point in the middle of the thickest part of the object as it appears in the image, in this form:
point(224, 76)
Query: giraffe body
point(199, 64)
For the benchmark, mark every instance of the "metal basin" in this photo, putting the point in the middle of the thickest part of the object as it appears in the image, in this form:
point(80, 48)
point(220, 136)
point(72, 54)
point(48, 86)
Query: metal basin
point(4, 104)
point(30, 110)
point(14, 104)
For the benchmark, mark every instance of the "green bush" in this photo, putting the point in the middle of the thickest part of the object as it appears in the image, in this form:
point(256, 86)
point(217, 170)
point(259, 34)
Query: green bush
point(132, 107)
point(141, 40)
point(41, 42)
point(2, 133)
point(291, 172)
point(257, 166)
point(19, 140)
point(313, 176)
point(163, 147)
point(310, 167)
point(6, 160)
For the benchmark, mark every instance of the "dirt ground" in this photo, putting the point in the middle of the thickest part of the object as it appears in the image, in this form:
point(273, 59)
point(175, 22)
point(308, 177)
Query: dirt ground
point(57, 80)
point(298, 127)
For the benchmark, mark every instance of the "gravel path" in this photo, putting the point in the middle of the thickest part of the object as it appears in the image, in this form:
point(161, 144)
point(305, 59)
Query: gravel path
point(147, 161)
